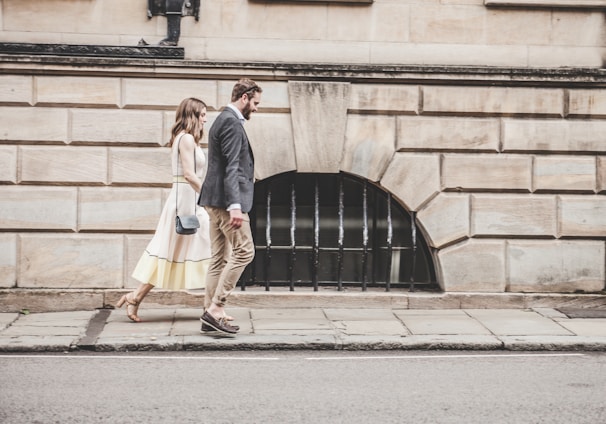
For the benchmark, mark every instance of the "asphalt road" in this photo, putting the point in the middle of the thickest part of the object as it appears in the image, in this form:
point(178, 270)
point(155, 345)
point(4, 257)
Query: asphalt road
point(304, 387)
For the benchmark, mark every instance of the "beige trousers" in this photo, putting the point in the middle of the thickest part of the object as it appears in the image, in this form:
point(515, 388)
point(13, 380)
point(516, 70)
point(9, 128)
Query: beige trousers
point(231, 250)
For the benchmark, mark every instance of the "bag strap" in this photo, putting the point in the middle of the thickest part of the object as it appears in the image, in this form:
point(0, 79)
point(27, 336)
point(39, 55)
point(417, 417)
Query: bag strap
point(195, 172)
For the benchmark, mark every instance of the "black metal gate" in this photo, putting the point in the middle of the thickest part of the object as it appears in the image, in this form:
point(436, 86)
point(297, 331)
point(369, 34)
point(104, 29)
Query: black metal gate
point(334, 230)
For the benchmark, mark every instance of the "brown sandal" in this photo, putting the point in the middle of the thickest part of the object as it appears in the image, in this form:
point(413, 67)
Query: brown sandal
point(132, 307)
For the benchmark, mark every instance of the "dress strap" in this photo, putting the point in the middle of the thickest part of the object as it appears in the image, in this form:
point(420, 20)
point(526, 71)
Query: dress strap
point(178, 163)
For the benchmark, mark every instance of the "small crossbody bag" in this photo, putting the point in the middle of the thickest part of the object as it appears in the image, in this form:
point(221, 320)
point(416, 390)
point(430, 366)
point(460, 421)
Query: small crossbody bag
point(185, 224)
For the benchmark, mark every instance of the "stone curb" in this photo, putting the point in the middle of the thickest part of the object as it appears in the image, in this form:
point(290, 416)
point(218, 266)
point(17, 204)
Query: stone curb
point(291, 343)
point(55, 300)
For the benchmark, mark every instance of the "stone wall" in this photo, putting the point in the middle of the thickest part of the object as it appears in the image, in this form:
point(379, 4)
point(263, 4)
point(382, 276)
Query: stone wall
point(530, 33)
point(507, 178)
point(485, 117)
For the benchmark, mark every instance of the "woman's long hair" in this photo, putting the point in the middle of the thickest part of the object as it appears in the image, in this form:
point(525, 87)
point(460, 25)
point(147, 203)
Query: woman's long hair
point(187, 119)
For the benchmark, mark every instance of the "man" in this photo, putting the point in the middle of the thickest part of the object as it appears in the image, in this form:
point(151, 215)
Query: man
point(227, 195)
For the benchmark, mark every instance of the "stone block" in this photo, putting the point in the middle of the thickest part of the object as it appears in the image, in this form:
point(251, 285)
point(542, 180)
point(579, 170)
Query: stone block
point(135, 246)
point(474, 265)
point(486, 172)
point(16, 124)
point(82, 18)
point(469, 54)
point(555, 266)
point(168, 119)
point(119, 126)
point(319, 116)
point(140, 165)
point(582, 216)
point(16, 90)
point(493, 100)
point(445, 219)
point(553, 135)
point(69, 164)
point(422, 133)
point(8, 260)
point(565, 25)
point(601, 174)
point(279, 50)
point(369, 145)
point(518, 27)
point(71, 261)
point(413, 178)
point(69, 90)
point(546, 3)
point(38, 208)
point(271, 139)
point(564, 56)
point(119, 208)
point(149, 93)
point(389, 98)
point(390, 22)
point(513, 215)
point(431, 24)
point(587, 103)
point(275, 96)
point(359, 19)
point(8, 164)
point(564, 173)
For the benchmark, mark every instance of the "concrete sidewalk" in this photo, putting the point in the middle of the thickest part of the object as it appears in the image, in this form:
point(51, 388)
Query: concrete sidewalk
point(175, 329)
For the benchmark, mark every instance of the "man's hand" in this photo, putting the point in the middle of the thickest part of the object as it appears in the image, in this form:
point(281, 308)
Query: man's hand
point(235, 218)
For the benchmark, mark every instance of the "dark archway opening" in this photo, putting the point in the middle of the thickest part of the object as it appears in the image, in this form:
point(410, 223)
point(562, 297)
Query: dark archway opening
point(334, 230)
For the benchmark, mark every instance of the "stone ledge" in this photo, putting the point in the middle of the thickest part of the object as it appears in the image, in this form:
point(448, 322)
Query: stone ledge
point(284, 71)
point(49, 300)
point(86, 50)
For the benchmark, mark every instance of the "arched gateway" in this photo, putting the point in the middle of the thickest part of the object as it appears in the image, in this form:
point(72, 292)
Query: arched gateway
point(334, 230)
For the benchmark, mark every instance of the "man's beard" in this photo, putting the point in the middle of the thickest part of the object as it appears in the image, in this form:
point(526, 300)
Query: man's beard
point(247, 111)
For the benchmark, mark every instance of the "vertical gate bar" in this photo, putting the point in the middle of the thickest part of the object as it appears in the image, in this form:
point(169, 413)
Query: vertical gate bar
point(316, 246)
point(413, 229)
point(293, 224)
point(364, 235)
point(389, 242)
point(268, 238)
point(341, 235)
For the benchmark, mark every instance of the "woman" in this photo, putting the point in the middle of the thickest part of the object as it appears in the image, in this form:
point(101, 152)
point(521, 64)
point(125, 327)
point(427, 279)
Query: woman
point(173, 261)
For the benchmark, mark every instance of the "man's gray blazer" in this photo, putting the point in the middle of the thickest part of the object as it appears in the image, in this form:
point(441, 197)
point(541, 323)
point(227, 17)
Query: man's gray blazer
point(230, 173)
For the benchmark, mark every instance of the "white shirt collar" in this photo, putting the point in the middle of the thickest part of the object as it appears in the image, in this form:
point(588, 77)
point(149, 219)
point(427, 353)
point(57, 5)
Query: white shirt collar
point(238, 113)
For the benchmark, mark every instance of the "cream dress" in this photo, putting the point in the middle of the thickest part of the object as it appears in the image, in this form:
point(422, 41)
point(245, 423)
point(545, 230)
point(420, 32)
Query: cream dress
point(174, 261)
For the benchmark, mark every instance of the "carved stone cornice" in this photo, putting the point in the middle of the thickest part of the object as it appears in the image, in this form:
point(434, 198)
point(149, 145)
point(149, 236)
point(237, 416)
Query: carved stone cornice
point(85, 50)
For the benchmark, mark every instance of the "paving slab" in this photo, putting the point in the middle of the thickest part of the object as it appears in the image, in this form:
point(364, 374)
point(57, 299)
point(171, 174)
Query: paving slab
point(7, 319)
point(517, 322)
point(373, 328)
point(453, 322)
point(590, 327)
point(26, 330)
point(429, 312)
point(291, 324)
point(288, 314)
point(146, 315)
point(358, 314)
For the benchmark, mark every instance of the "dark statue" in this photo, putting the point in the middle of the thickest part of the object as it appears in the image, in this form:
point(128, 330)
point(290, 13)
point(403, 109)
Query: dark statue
point(173, 10)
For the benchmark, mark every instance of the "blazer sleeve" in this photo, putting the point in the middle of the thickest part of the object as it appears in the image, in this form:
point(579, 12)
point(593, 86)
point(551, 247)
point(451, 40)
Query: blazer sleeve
point(232, 140)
